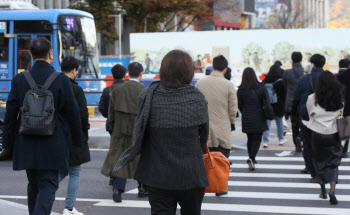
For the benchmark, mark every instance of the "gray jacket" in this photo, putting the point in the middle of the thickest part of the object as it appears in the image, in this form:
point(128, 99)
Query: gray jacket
point(290, 78)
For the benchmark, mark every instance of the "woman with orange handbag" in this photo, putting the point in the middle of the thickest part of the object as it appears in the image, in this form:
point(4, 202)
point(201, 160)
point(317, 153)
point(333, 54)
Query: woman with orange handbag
point(170, 130)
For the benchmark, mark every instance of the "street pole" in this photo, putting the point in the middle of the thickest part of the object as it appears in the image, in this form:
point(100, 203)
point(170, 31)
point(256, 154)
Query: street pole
point(120, 33)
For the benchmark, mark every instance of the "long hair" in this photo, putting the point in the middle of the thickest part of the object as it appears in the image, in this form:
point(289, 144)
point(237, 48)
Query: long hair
point(249, 80)
point(328, 93)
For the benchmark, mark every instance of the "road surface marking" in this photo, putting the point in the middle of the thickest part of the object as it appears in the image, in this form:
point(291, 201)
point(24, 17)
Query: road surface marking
point(285, 167)
point(239, 208)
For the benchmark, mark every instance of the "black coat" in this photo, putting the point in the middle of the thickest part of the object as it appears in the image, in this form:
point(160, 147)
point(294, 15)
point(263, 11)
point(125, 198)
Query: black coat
point(42, 152)
point(281, 92)
point(104, 100)
point(290, 79)
point(302, 92)
point(250, 104)
point(80, 155)
point(344, 78)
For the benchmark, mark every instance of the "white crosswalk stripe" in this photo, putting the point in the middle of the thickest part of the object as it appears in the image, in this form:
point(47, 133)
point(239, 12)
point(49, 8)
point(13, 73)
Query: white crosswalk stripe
point(275, 187)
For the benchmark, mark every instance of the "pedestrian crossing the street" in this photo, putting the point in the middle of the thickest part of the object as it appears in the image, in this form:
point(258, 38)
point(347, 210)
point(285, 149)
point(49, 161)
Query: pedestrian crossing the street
point(274, 187)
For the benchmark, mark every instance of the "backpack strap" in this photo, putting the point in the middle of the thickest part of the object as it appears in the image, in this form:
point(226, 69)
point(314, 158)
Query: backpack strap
point(278, 80)
point(30, 79)
point(311, 82)
point(50, 79)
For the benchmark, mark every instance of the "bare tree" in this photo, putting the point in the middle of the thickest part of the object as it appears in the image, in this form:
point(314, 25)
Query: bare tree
point(287, 18)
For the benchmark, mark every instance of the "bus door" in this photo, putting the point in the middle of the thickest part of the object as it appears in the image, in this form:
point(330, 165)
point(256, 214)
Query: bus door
point(23, 60)
point(4, 59)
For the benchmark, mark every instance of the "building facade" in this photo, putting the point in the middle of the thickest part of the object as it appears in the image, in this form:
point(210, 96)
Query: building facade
point(51, 4)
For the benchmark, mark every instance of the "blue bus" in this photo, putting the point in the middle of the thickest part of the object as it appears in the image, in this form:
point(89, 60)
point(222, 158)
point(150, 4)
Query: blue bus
point(71, 32)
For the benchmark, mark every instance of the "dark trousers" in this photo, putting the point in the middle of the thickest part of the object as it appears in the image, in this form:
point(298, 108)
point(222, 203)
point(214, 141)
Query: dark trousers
point(307, 148)
point(42, 186)
point(295, 120)
point(253, 145)
point(164, 202)
point(119, 184)
point(225, 152)
point(346, 146)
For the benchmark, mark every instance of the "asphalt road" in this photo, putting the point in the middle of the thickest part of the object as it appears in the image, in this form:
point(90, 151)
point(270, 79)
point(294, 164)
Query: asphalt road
point(275, 187)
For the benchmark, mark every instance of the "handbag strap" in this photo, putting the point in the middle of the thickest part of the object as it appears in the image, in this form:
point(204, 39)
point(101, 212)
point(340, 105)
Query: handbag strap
point(210, 162)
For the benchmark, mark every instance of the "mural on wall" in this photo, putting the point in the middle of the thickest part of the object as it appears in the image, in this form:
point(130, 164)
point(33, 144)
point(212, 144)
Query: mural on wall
point(256, 49)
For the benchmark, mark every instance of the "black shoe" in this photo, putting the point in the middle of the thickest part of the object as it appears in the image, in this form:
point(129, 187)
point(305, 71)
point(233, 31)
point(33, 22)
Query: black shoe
point(221, 194)
point(297, 143)
point(143, 192)
point(323, 196)
point(117, 196)
point(305, 171)
point(332, 199)
point(111, 182)
point(314, 180)
point(344, 155)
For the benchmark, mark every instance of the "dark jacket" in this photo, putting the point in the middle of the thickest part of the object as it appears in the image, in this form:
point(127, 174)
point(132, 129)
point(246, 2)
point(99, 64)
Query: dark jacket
point(171, 156)
point(121, 118)
point(250, 104)
point(344, 78)
point(80, 155)
point(302, 92)
point(280, 89)
point(104, 100)
point(42, 152)
point(290, 79)
point(342, 70)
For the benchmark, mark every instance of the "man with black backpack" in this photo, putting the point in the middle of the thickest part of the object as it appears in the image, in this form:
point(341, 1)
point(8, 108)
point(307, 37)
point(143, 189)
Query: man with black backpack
point(305, 87)
point(290, 78)
point(40, 105)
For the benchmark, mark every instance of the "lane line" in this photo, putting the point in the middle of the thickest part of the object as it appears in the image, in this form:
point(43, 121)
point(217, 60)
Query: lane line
point(277, 175)
point(282, 184)
point(269, 195)
point(244, 158)
point(239, 208)
point(285, 167)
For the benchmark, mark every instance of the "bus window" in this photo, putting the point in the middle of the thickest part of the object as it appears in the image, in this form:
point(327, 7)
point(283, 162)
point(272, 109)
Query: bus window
point(23, 53)
point(77, 38)
point(4, 48)
point(38, 27)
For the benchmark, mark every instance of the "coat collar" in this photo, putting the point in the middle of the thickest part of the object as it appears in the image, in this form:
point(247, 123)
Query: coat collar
point(316, 70)
point(41, 64)
point(217, 74)
point(118, 81)
point(73, 81)
point(297, 65)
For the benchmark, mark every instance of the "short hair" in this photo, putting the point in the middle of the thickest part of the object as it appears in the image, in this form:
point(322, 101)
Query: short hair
point(199, 55)
point(40, 48)
point(176, 69)
point(135, 69)
point(344, 63)
point(318, 60)
point(297, 57)
point(118, 71)
point(220, 63)
point(68, 64)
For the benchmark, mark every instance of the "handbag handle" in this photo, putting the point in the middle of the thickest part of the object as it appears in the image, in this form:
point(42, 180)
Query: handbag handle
point(211, 163)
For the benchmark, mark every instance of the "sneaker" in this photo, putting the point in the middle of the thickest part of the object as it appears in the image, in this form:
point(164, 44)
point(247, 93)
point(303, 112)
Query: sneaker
point(72, 212)
point(265, 144)
point(251, 164)
point(283, 141)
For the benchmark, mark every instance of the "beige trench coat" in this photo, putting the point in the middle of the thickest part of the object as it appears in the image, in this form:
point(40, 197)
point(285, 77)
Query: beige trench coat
point(222, 103)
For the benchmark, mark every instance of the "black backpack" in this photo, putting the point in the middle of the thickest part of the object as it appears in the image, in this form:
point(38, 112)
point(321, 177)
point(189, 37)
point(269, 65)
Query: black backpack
point(38, 110)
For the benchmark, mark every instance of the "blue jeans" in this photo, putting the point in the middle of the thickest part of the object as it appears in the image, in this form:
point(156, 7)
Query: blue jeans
point(280, 129)
point(73, 184)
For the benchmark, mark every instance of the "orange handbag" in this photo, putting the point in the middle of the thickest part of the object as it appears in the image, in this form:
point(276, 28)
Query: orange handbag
point(217, 167)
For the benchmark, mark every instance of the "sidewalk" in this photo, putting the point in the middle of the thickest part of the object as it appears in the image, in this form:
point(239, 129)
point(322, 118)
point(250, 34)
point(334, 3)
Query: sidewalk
point(7, 207)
